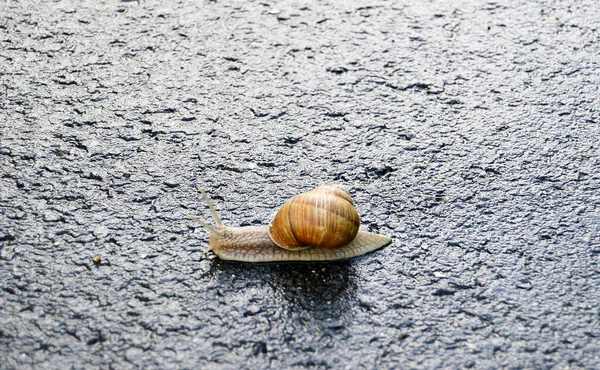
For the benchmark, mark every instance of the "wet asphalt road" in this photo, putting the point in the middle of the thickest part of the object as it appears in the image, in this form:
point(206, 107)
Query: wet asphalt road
point(466, 130)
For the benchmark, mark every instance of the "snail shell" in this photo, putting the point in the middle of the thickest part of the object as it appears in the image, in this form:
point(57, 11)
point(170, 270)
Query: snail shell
point(319, 225)
point(324, 217)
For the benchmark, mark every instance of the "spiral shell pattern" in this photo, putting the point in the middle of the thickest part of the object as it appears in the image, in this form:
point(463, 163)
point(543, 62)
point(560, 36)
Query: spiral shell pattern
point(324, 217)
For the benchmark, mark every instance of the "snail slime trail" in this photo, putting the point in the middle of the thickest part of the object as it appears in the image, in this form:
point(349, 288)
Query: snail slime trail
point(319, 225)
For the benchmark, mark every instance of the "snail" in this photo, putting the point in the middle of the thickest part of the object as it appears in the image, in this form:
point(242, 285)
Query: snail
point(319, 225)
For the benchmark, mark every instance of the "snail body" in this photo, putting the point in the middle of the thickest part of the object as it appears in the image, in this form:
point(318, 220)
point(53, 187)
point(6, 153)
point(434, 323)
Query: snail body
point(319, 225)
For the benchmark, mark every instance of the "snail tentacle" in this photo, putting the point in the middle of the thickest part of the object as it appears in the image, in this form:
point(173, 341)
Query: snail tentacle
point(211, 229)
point(213, 213)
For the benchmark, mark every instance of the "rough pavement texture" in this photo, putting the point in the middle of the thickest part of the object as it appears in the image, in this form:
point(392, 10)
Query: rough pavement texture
point(466, 130)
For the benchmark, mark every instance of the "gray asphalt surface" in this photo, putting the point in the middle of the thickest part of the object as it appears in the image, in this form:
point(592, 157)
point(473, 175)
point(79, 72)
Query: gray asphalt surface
point(466, 130)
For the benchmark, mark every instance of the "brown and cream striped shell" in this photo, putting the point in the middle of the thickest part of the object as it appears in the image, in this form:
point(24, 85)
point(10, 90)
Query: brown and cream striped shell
point(324, 217)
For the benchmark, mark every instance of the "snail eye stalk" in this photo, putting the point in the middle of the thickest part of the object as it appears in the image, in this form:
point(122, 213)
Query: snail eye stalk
point(211, 229)
point(213, 213)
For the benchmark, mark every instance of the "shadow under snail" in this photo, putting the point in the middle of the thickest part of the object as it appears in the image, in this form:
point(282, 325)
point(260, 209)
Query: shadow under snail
point(319, 225)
